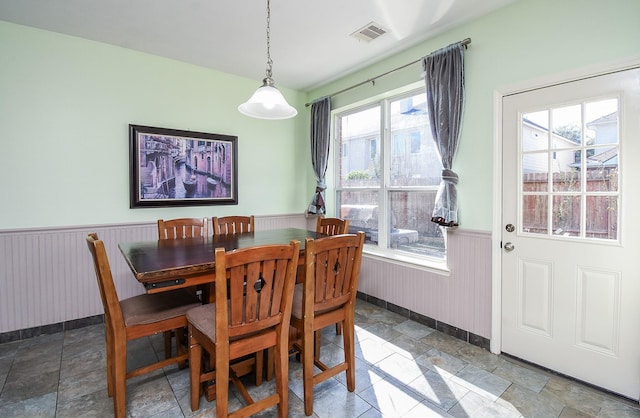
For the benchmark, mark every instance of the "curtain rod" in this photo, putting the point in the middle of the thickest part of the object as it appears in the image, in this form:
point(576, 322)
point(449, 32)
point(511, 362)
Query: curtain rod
point(464, 42)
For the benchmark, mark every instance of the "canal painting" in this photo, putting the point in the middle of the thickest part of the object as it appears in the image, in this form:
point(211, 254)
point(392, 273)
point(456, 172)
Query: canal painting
point(172, 167)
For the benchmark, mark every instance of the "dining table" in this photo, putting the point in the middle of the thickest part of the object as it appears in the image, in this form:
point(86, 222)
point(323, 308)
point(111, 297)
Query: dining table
point(167, 264)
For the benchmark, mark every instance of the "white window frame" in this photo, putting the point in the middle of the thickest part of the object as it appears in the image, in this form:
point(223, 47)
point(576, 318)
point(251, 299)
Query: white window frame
point(381, 250)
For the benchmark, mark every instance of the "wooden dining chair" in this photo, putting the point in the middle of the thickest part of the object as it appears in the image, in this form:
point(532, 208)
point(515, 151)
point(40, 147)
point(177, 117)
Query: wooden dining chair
point(232, 224)
point(180, 228)
point(332, 226)
point(132, 318)
point(183, 228)
point(327, 297)
point(252, 312)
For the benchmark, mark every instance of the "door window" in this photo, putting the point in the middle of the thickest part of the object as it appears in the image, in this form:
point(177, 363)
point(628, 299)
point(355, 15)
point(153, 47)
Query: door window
point(570, 170)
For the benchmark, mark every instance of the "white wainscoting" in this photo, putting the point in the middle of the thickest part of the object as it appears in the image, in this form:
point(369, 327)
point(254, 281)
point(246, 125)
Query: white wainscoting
point(462, 299)
point(47, 277)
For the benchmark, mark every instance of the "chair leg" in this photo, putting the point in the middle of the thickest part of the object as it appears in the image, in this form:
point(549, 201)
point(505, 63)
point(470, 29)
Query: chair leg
point(181, 347)
point(282, 379)
point(317, 341)
point(348, 336)
point(195, 366)
point(120, 380)
point(259, 366)
point(222, 386)
point(270, 363)
point(308, 354)
point(167, 344)
point(110, 356)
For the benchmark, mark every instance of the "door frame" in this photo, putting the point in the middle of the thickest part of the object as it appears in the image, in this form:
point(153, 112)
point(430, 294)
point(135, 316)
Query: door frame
point(496, 230)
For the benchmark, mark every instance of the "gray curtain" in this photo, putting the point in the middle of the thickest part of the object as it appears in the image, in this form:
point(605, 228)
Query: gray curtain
point(320, 127)
point(444, 77)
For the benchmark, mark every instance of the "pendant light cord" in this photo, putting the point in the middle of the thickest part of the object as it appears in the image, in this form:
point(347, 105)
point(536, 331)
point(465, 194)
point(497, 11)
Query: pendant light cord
point(269, 61)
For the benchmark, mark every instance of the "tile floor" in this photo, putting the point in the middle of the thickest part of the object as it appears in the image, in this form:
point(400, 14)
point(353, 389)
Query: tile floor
point(404, 369)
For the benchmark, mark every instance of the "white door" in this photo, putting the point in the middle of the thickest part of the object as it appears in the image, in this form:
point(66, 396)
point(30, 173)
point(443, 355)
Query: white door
point(571, 229)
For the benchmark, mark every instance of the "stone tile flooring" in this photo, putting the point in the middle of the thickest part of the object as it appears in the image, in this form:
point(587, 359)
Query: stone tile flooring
point(404, 369)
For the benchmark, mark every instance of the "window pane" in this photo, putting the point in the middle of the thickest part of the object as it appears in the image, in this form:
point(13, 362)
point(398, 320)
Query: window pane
point(534, 214)
point(359, 142)
point(534, 182)
point(361, 209)
point(535, 131)
point(602, 169)
point(566, 216)
point(602, 217)
point(602, 122)
point(535, 172)
point(414, 160)
point(410, 228)
point(567, 126)
point(566, 174)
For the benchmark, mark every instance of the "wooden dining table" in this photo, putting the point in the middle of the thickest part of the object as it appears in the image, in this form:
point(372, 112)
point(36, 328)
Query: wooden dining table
point(167, 264)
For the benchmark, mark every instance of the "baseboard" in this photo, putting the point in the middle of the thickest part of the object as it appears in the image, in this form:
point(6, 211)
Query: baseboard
point(23, 334)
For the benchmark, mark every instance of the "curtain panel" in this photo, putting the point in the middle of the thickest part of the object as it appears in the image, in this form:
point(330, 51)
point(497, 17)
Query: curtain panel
point(320, 130)
point(444, 78)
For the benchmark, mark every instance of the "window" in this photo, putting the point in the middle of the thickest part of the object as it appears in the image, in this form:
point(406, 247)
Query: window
point(569, 180)
point(386, 185)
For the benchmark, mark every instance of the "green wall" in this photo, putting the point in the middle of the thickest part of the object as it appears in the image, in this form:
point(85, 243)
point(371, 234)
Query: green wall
point(529, 40)
point(65, 107)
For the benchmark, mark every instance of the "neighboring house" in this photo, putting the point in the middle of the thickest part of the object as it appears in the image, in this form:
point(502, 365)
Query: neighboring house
point(534, 147)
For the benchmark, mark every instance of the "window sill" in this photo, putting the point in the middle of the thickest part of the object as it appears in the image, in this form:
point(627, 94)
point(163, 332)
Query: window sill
point(431, 265)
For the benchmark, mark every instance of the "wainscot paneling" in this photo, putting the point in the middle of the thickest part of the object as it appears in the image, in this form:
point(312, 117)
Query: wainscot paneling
point(47, 281)
point(461, 299)
point(47, 276)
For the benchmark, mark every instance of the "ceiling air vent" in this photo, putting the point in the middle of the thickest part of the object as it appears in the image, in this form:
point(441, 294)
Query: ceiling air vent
point(369, 32)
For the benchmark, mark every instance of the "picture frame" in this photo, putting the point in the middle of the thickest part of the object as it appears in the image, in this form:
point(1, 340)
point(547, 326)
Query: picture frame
point(171, 167)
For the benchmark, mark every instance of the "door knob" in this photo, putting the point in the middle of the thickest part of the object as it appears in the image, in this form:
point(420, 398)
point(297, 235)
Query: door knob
point(508, 246)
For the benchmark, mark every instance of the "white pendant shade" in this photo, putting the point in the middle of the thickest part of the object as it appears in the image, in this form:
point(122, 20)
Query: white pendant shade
point(267, 103)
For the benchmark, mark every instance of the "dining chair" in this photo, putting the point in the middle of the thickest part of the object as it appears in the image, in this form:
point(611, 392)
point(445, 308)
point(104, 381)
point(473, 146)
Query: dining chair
point(233, 224)
point(183, 228)
point(332, 226)
point(133, 318)
point(180, 228)
point(326, 297)
point(252, 312)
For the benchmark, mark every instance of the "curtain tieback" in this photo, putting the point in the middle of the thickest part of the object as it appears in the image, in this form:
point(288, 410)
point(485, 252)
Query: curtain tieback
point(449, 176)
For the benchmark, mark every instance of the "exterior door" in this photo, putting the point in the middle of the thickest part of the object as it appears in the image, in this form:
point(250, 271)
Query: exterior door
point(571, 229)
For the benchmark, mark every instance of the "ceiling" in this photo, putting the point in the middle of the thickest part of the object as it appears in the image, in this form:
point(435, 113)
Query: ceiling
point(310, 40)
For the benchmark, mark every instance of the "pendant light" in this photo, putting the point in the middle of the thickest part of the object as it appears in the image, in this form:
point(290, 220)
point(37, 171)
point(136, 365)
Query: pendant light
point(267, 102)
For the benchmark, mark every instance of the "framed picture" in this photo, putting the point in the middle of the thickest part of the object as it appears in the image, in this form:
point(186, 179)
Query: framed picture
point(171, 167)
